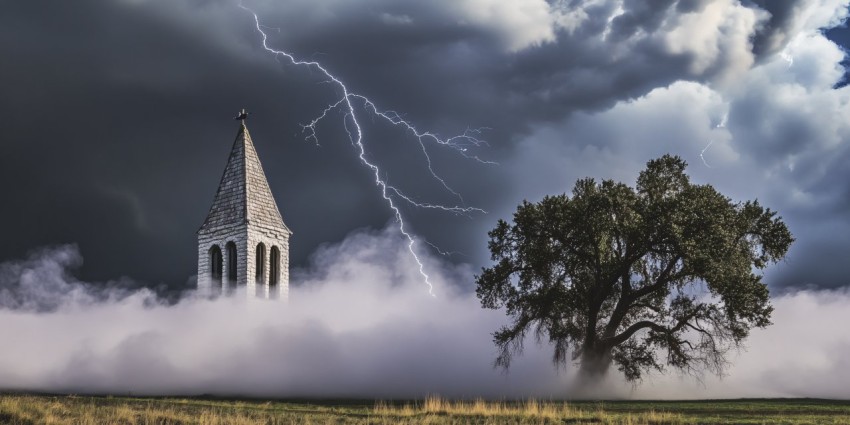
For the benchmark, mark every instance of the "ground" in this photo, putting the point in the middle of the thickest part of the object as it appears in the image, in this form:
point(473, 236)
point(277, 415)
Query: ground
point(71, 409)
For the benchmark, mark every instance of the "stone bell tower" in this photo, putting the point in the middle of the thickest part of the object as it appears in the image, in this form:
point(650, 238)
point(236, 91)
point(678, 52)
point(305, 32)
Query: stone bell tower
point(243, 245)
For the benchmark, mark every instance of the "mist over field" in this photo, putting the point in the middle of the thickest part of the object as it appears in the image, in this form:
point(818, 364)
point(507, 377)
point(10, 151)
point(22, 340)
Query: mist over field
point(359, 323)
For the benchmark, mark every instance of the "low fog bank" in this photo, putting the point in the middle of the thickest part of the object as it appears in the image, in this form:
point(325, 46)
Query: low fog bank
point(44, 283)
point(359, 323)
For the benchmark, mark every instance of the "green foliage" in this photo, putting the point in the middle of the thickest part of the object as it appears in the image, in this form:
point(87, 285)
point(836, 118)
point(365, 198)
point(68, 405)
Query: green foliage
point(658, 275)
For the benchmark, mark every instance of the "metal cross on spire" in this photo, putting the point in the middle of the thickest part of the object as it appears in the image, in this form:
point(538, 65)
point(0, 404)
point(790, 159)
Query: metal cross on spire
point(241, 116)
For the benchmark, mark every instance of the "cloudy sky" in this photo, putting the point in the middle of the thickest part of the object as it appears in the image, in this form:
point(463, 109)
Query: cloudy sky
point(117, 116)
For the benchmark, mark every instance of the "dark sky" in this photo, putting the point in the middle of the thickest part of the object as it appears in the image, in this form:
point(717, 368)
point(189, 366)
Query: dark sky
point(117, 116)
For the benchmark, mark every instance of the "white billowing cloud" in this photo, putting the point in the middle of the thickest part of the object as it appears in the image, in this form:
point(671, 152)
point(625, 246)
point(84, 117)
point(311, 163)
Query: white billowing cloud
point(786, 143)
point(681, 119)
point(816, 14)
point(789, 120)
point(806, 15)
point(359, 324)
point(519, 23)
point(719, 32)
point(815, 63)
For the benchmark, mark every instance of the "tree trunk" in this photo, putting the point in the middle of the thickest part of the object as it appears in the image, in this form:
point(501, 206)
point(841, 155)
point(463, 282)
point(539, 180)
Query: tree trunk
point(595, 364)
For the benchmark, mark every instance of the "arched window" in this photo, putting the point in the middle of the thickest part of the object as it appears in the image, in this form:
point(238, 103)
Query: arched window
point(231, 262)
point(261, 262)
point(274, 266)
point(216, 263)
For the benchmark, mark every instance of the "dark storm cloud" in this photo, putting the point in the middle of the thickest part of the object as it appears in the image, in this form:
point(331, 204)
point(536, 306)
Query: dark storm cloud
point(110, 140)
point(643, 16)
point(117, 113)
point(779, 27)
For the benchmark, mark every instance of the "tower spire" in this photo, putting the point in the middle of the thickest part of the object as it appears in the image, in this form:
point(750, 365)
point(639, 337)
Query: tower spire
point(243, 242)
point(243, 194)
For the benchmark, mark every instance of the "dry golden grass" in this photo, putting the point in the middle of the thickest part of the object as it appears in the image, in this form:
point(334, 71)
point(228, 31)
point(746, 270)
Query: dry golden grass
point(439, 406)
point(25, 410)
point(439, 410)
point(66, 410)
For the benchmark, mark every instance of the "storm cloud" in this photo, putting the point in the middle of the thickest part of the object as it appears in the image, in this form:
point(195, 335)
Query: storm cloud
point(116, 129)
point(116, 126)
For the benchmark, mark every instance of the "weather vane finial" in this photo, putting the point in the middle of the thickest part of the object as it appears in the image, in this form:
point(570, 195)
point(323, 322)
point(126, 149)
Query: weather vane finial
point(242, 116)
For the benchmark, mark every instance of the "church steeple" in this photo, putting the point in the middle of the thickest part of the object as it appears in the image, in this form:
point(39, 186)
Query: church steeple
point(243, 194)
point(243, 242)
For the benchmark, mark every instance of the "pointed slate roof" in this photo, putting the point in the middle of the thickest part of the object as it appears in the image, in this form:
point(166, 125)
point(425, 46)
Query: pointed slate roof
point(243, 195)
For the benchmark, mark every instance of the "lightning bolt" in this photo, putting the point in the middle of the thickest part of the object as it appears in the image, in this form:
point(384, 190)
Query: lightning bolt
point(703, 151)
point(787, 57)
point(444, 253)
point(710, 142)
point(350, 103)
point(723, 121)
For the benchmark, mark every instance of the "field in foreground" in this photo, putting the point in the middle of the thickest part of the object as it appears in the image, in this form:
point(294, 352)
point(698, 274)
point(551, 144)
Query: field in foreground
point(41, 409)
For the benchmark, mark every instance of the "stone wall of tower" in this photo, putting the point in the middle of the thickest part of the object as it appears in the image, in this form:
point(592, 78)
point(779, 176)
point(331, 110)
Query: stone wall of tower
point(246, 238)
point(221, 236)
point(270, 238)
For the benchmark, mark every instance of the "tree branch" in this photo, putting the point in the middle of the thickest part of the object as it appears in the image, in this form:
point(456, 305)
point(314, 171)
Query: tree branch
point(662, 281)
point(631, 330)
point(646, 324)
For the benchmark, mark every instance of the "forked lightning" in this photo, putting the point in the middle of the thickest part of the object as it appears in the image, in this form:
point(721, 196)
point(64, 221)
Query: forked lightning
point(460, 143)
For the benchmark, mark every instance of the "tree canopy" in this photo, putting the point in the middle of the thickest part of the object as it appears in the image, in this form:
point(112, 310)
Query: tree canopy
point(662, 274)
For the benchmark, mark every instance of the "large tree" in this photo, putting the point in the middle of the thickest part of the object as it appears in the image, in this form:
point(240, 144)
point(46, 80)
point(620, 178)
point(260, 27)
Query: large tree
point(663, 274)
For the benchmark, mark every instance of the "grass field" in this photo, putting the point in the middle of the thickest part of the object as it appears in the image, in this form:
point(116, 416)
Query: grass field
point(41, 409)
